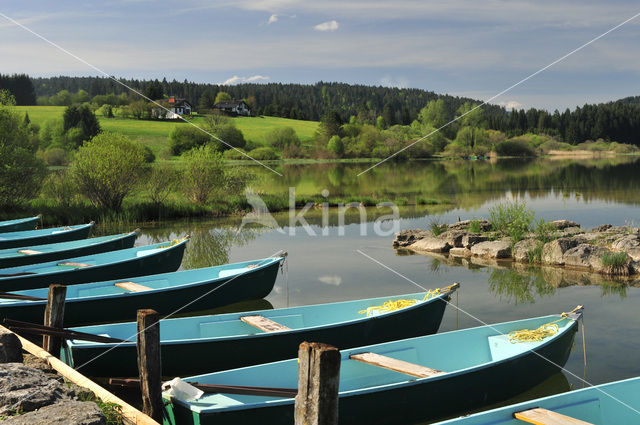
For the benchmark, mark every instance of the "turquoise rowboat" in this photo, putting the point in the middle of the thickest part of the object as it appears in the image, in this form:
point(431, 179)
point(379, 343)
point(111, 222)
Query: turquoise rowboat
point(14, 257)
point(44, 236)
point(140, 261)
point(446, 374)
point(226, 341)
point(116, 300)
point(606, 404)
point(19, 224)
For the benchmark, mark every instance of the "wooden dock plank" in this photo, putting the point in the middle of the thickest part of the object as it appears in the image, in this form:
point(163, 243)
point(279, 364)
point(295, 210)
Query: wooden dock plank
point(539, 416)
point(131, 286)
point(264, 324)
point(396, 365)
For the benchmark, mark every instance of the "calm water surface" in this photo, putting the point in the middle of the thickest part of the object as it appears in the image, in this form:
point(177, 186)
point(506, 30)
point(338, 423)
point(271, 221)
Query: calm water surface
point(326, 268)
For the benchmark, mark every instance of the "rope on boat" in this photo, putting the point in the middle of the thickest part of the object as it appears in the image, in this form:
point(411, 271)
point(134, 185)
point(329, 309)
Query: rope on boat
point(539, 334)
point(176, 242)
point(393, 305)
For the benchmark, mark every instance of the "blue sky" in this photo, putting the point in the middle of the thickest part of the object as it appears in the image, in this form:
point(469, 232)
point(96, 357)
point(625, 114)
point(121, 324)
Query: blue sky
point(473, 48)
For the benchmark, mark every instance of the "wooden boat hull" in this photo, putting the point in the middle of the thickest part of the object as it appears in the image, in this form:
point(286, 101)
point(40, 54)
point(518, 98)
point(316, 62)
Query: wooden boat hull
point(52, 252)
point(78, 311)
point(416, 400)
point(166, 260)
point(597, 405)
point(44, 236)
point(231, 353)
point(19, 225)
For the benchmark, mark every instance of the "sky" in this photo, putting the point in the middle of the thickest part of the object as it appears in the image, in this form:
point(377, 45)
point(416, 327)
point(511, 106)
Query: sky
point(473, 48)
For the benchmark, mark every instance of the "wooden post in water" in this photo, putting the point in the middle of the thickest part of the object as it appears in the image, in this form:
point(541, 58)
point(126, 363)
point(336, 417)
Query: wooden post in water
point(318, 382)
point(54, 316)
point(149, 363)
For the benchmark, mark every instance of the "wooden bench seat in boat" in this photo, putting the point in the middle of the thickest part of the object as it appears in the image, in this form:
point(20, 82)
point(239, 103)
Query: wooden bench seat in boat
point(396, 365)
point(131, 286)
point(539, 416)
point(72, 264)
point(264, 324)
point(29, 251)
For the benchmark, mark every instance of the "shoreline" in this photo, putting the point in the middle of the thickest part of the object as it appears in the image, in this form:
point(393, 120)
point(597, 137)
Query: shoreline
point(606, 250)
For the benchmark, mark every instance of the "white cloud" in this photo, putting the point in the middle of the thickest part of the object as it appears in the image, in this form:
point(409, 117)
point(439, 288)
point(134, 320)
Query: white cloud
point(273, 18)
point(401, 83)
point(237, 80)
point(327, 26)
point(332, 280)
point(511, 104)
point(257, 78)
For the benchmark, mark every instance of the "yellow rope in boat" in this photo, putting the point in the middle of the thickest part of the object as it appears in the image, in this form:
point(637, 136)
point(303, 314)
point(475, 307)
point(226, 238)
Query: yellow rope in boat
point(544, 331)
point(393, 305)
point(176, 242)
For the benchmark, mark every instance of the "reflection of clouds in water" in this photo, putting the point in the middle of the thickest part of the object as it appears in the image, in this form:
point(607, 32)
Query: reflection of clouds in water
point(331, 280)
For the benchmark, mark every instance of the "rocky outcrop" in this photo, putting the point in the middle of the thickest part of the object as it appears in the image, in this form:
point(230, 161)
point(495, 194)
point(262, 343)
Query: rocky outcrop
point(26, 389)
point(484, 225)
point(601, 228)
point(492, 249)
point(460, 252)
point(453, 237)
point(634, 253)
point(37, 393)
point(553, 252)
point(407, 237)
point(570, 247)
point(626, 243)
point(585, 255)
point(10, 347)
point(431, 244)
point(471, 239)
point(521, 250)
point(64, 413)
point(563, 224)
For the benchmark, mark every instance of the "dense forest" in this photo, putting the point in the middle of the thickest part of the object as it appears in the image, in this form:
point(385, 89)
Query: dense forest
point(614, 121)
point(634, 100)
point(21, 88)
point(297, 101)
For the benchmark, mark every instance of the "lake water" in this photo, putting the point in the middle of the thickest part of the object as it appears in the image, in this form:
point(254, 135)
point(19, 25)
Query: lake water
point(331, 266)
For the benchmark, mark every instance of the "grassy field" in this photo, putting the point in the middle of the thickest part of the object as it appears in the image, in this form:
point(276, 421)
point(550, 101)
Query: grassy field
point(155, 134)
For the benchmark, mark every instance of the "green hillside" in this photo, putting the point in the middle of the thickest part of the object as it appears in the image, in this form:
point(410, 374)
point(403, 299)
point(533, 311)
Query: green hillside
point(155, 134)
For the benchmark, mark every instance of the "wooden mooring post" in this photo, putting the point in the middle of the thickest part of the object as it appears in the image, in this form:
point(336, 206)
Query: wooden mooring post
point(318, 383)
point(54, 316)
point(149, 363)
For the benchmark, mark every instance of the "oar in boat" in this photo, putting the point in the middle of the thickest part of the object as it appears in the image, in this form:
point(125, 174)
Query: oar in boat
point(36, 329)
point(224, 389)
point(10, 296)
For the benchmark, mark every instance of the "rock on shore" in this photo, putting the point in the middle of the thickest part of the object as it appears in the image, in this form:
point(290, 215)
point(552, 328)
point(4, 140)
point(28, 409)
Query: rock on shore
point(37, 394)
point(570, 246)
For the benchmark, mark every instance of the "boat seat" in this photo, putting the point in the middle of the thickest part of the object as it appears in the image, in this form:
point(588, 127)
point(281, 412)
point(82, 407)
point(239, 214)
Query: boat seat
point(72, 264)
point(133, 287)
point(396, 365)
point(29, 251)
point(539, 416)
point(264, 324)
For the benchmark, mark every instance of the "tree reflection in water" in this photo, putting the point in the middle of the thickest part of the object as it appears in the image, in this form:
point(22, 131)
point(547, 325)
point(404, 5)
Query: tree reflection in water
point(511, 285)
point(210, 243)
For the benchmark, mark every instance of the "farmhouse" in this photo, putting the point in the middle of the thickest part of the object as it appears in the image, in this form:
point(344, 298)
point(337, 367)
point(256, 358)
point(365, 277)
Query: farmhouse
point(176, 108)
point(179, 106)
point(233, 107)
